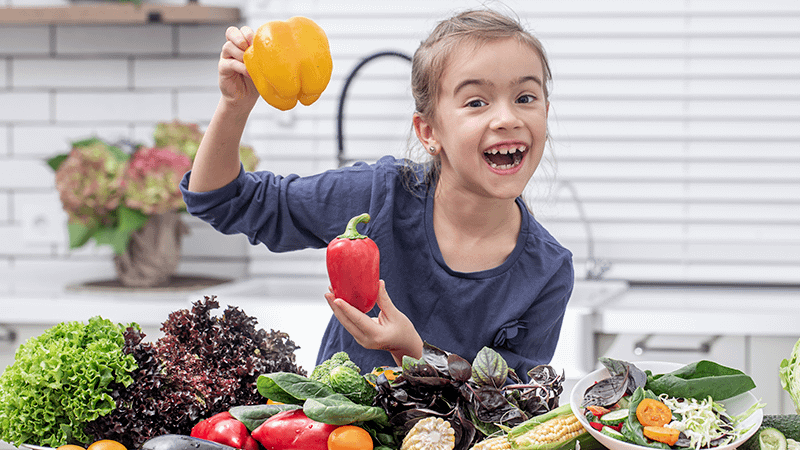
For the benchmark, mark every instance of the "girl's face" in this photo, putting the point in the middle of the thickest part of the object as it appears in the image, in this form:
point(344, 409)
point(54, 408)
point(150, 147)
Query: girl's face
point(491, 119)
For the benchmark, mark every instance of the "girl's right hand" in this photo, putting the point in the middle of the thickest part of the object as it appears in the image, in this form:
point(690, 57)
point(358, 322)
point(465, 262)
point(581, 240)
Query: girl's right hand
point(234, 82)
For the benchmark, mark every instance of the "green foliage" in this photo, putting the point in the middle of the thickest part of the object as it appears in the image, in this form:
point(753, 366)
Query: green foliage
point(789, 374)
point(322, 372)
point(60, 381)
point(349, 382)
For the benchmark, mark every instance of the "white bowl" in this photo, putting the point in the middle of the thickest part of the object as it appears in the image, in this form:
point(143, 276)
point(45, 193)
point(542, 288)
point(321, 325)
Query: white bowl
point(734, 405)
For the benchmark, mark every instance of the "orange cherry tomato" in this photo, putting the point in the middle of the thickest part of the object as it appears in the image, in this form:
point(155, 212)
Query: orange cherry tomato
point(349, 437)
point(106, 444)
point(651, 412)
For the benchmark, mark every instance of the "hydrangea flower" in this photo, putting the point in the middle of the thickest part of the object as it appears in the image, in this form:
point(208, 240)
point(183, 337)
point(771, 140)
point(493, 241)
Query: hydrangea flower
point(89, 182)
point(152, 178)
point(185, 137)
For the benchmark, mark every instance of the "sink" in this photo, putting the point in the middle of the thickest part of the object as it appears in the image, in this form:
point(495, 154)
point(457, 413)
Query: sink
point(303, 314)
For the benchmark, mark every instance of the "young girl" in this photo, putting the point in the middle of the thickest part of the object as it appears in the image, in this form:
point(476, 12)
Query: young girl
point(463, 262)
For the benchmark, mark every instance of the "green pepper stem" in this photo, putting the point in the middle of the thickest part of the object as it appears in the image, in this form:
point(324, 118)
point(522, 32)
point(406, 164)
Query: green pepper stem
point(351, 232)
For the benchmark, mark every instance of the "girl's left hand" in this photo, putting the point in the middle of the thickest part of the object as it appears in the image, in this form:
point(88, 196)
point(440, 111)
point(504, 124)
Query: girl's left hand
point(390, 331)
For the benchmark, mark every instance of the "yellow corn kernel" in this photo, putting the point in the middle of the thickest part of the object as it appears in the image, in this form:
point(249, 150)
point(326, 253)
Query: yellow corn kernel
point(557, 429)
point(495, 443)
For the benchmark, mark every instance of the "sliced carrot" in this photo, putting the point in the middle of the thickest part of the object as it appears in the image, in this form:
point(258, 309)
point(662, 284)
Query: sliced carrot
point(666, 435)
point(651, 412)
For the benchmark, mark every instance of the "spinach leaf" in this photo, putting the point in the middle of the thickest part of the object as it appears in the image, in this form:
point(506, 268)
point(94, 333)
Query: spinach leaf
point(290, 388)
point(632, 429)
point(700, 380)
point(254, 415)
point(337, 409)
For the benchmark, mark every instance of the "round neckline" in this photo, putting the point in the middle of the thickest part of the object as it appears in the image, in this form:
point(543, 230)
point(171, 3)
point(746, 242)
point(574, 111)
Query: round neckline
point(481, 274)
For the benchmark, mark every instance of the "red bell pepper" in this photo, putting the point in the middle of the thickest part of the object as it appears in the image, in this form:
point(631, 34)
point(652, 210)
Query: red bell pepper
point(293, 430)
point(223, 428)
point(353, 262)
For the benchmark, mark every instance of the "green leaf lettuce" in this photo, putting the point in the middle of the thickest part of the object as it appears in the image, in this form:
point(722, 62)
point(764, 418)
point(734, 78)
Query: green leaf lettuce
point(60, 380)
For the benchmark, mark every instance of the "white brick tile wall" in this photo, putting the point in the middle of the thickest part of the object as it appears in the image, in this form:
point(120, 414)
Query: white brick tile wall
point(24, 40)
point(24, 106)
point(197, 106)
point(25, 174)
point(25, 3)
point(104, 40)
point(5, 77)
point(70, 73)
point(5, 135)
point(176, 73)
point(5, 201)
point(201, 39)
point(66, 83)
point(114, 106)
point(45, 141)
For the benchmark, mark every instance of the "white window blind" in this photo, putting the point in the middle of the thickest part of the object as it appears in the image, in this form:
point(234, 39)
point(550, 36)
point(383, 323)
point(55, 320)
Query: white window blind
point(675, 124)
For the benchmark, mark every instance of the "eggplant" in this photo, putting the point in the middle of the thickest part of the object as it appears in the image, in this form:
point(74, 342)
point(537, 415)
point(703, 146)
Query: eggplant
point(182, 442)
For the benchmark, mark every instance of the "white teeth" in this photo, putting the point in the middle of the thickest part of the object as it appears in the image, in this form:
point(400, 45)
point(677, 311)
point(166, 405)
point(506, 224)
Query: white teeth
point(505, 151)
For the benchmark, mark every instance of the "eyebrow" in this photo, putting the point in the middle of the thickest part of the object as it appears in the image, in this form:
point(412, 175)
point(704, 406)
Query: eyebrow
point(481, 82)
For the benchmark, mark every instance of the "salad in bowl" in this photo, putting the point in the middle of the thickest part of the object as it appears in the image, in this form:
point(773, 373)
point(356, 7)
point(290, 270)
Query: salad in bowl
point(702, 405)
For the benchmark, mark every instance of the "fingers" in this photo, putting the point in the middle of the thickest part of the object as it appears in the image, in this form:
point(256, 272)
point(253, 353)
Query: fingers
point(232, 55)
point(384, 302)
point(362, 327)
point(240, 38)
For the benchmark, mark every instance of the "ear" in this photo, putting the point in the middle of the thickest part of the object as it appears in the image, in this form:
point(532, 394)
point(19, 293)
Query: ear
point(424, 130)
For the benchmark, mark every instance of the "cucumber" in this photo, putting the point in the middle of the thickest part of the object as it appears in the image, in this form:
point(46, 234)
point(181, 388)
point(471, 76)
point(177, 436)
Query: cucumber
point(771, 439)
point(787, 424)
point(615, 417)
point(612, 433)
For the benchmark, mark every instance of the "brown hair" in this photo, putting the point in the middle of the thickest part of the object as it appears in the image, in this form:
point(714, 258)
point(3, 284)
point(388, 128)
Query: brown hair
point(475, 27)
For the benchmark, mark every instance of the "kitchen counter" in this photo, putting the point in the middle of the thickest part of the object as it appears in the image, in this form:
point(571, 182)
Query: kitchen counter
point(721, 310)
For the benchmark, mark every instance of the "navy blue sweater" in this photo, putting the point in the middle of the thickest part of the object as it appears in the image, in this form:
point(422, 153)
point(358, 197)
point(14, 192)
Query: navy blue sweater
point(516, 308)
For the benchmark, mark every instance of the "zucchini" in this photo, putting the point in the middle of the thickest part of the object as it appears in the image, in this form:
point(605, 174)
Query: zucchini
point(614, 417)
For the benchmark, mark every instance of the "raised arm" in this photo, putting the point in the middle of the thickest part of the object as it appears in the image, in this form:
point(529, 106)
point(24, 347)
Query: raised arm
point(217, 161)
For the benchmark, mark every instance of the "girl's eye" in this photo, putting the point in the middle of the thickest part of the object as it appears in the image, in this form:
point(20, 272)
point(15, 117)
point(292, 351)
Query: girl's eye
point(476, 103)
point(526, 99)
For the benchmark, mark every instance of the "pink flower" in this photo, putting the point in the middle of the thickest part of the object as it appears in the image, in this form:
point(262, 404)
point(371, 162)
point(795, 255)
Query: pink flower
point(152, 177)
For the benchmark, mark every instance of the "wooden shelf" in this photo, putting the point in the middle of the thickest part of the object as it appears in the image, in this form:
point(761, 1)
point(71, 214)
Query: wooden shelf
point(119, 14)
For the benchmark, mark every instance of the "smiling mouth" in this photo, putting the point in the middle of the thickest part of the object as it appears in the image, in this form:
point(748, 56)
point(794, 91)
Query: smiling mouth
point(504, 158)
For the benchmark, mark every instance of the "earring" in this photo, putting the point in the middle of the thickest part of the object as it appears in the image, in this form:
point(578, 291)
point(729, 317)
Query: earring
point(432, 150)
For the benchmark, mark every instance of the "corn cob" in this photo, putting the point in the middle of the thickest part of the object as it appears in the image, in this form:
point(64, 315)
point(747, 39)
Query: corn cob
point(495, 443)
point(557, 429)
point(430, 433)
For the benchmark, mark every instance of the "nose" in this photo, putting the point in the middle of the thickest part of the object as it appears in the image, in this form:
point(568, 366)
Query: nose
point(505, 117)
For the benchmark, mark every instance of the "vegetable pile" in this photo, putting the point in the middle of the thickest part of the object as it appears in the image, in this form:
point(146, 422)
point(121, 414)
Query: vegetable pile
point(202, 366)
point(673, 410)
point(77, 383)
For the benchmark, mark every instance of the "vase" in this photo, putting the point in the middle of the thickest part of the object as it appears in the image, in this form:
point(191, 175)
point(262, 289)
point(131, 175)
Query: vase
point(153, 253)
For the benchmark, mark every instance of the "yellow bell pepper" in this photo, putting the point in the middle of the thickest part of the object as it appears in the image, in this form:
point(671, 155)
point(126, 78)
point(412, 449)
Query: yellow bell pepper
point(289, 61)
